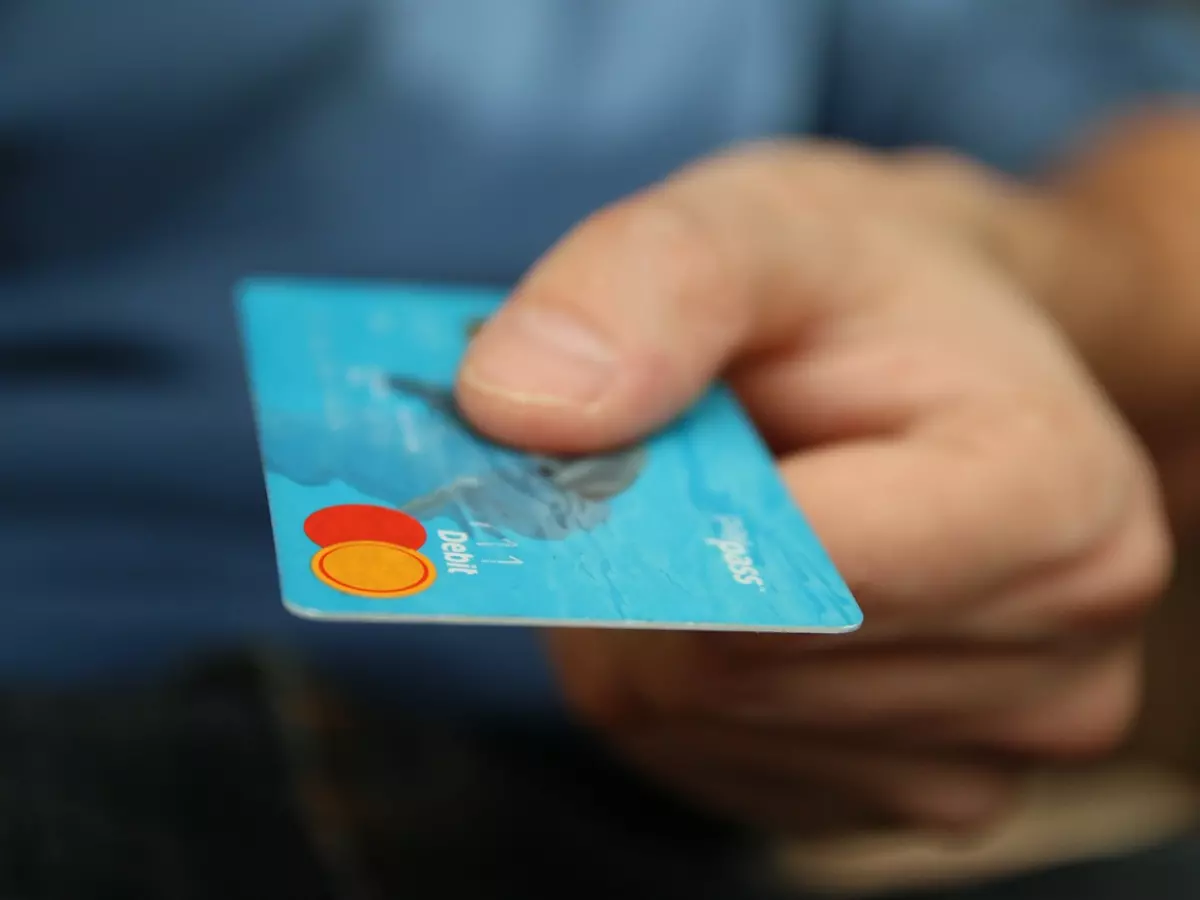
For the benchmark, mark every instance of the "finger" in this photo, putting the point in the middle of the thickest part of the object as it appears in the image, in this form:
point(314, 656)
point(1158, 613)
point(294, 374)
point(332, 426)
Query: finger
point(884, 691)
point(986, 492)
point(1107, 590)
point(1083, 717)
point(623, 323)
point(637, 680)
point(939, 792)
point(618, 680)
point(1104, 591)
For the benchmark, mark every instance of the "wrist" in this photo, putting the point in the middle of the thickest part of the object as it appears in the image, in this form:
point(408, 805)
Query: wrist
point(1109, 245)
point(1089, 277)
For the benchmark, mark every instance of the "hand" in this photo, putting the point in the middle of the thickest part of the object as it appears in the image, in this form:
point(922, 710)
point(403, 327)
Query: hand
point(998, 523)
point(1105, 242)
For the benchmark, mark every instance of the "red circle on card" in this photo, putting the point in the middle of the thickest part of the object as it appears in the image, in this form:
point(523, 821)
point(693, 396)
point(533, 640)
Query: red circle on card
point(364, 522)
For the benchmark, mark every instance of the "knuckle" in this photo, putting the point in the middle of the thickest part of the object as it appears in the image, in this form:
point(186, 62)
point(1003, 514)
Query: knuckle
point(1137, 573)
point(1091, 503)
point(811, 163)
point(1078, 481)
point(1122, 578)
point(680, 254)
point(1094, 723)
point(659, 225)
point(951, 188)
point(940, 163)
point(1078, 505)
point(754, 154)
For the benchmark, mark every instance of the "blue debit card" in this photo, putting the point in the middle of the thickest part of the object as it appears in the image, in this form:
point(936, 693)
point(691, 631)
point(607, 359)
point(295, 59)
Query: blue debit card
point(386, 505)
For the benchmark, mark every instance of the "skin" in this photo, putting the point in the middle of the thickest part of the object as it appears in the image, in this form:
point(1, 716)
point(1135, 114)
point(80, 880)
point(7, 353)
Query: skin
point(902, 331)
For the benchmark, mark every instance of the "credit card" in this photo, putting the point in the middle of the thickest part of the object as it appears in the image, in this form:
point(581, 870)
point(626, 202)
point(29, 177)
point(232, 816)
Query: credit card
point(387, 506)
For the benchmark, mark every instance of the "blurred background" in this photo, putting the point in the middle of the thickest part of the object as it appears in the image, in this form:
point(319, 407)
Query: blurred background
point(166, 729)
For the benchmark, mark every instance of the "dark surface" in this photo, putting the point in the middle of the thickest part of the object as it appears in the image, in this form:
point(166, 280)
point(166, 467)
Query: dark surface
point(176, 793)
point(246, 780)
point(1167, 872)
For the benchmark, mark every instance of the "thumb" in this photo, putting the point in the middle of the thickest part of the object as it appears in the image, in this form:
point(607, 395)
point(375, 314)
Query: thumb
point(624, 323)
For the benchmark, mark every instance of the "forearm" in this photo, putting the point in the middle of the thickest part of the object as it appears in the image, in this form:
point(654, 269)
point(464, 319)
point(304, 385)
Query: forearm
point(1110, 244)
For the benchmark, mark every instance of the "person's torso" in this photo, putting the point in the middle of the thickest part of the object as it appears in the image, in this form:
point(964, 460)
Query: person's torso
point(152, 154)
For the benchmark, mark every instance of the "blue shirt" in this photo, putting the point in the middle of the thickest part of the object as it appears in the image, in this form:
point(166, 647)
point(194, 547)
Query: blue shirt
point(151, 153)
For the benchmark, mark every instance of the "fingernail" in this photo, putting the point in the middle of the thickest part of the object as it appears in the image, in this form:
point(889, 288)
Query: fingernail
point(542, 357)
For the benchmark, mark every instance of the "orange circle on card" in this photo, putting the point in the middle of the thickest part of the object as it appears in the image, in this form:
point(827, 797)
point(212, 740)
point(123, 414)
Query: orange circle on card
point(364, 522)
point(374, 569)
